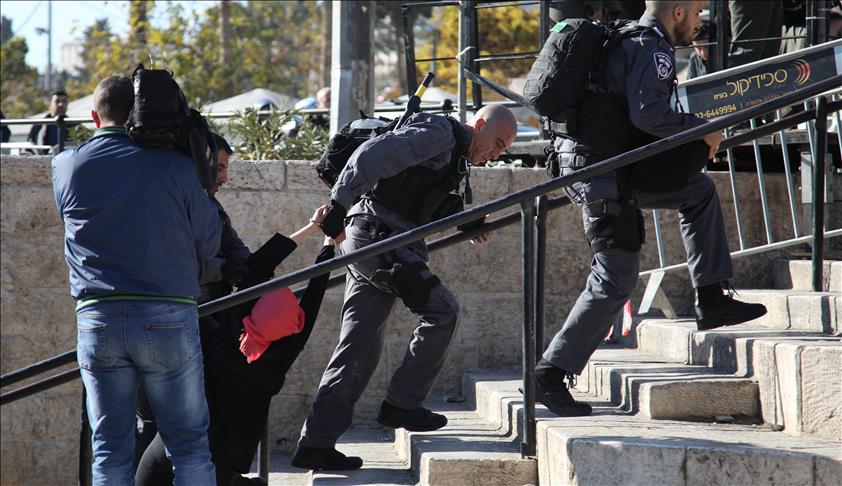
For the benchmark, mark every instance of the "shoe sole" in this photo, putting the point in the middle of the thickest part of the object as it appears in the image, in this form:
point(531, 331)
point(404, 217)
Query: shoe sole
point(318, 467)
point(396, 425)
point(565, 412)
point(706, 324)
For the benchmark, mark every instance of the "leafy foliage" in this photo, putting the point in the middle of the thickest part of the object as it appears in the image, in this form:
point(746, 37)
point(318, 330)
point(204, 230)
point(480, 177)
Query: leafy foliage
point(273, 137)
point(20, 94)
point(80, 133)
point(502, 30)
point(265, 51)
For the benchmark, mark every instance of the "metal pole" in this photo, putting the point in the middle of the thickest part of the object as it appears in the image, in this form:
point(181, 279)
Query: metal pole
point(527, 212)
point(474, 52)
point(463, 47)
point(352, 73)
point(761, 181)
point(722, 29)
point(541, 211)
point(49, 76)
point(263, 454)
point(659, 239)
point(543, 23)
point(789, 185)
point(85, 453)
point(734, 196)
point(409, 49)
point(818, 194)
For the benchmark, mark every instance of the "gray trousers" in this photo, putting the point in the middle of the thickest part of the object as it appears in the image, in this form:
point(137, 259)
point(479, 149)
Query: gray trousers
point(355, 358)
point(614, 272)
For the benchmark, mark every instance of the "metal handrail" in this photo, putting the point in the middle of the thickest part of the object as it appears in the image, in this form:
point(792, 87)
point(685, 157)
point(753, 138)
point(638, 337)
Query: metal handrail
point(521, 196)
point(60, 360)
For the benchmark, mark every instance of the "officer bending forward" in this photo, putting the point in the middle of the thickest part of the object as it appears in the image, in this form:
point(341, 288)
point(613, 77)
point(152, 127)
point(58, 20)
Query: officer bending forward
point(405, 178)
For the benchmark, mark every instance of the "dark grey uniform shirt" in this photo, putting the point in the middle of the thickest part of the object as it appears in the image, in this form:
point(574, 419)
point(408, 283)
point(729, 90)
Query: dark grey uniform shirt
point(642, 71)
point(425, 140)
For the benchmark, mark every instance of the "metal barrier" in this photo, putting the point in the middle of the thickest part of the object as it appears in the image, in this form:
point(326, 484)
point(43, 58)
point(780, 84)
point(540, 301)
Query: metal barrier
point(813, 175)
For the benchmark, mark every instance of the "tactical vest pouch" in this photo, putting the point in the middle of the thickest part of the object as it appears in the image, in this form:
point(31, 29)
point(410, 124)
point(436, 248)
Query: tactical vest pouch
point(670, 170)
point(617, 226)
point(406, 280)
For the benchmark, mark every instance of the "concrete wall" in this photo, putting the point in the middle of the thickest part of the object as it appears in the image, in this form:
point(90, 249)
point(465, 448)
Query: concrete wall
point(40, 433)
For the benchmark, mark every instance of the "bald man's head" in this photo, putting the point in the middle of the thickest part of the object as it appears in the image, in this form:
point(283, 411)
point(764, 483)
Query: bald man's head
point(493, 130)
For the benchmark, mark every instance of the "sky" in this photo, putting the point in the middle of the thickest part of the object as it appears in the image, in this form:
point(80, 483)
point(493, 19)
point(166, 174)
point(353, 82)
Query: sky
point(70, 18)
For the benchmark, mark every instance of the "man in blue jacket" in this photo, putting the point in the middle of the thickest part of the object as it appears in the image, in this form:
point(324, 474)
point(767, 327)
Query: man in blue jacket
point(137, 222)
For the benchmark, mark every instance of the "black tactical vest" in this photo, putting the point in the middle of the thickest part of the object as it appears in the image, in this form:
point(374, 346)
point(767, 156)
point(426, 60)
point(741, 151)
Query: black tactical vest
point(422, 194)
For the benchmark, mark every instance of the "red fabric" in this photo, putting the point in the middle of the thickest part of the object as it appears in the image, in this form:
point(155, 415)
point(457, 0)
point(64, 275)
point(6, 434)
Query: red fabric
point(275, 315)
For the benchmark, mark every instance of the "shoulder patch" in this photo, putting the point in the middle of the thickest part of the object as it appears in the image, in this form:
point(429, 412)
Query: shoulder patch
point(663, 65)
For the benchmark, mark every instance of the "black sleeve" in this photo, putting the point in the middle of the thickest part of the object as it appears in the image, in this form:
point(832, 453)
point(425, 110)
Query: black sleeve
point(33, 133)
point(262, 263)
point(311, 299)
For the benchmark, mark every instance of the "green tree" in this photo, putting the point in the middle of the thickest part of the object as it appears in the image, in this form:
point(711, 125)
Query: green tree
point(270, 46)
point(502, 30)
point(21, 96)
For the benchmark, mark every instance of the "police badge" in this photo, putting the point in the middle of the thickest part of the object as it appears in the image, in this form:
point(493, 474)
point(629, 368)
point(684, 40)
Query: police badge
point(663, 64)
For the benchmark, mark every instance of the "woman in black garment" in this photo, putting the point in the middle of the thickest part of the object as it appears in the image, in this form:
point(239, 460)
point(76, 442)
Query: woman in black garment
point(238, 392)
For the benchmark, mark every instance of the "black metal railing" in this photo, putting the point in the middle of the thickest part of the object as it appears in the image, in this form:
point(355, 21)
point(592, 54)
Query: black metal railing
point(533, 279)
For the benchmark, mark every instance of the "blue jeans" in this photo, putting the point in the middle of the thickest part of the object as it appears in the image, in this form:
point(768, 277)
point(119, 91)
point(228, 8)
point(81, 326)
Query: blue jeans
point(121, 345)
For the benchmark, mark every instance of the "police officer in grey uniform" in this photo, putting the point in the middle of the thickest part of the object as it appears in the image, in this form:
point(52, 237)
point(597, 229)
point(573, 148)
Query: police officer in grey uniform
point(404, 178)
point(634, 107)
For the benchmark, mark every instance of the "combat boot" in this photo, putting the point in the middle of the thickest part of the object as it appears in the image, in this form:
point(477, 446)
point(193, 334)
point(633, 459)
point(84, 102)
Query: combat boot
point(418, 420)
point(716, 307)
point(324, 459)
point(552, 391)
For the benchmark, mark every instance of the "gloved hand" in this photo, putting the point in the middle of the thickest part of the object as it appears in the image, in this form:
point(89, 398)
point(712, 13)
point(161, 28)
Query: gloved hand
point(334, 222)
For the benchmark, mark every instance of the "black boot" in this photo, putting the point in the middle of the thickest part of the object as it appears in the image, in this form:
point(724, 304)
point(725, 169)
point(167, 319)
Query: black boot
point(324, 459)
point(418, 420)
point(553, 393)
point(715, 307)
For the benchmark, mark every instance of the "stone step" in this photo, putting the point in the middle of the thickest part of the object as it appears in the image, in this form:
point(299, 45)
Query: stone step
point(658, 389)
point(800, 385)
point(727, 349)
point(797, 372)
point(798, 275)
point(471, 450)
point(381, 463)
point(797, 310)
point(616, 447)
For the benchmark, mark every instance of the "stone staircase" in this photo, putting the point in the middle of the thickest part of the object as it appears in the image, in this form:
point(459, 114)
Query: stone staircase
point(759, 403)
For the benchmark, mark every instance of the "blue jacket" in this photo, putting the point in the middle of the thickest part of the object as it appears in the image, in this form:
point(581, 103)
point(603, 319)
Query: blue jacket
point(136, 219)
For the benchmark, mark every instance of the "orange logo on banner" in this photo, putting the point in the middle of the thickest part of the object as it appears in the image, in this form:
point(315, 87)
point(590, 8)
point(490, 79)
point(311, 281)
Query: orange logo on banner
point(802, 69)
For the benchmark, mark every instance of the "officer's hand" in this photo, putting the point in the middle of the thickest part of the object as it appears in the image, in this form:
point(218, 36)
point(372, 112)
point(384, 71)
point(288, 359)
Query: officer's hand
point(334, 221)
point(339, 238)
point(713, 140)
point(481, 239)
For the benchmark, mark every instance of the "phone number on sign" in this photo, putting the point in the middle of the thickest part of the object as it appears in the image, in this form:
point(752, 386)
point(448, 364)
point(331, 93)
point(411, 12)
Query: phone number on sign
point(721, 110)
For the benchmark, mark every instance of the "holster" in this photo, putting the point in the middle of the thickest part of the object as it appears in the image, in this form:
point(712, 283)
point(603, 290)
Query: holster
point(618, 226)
point(407, 282)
